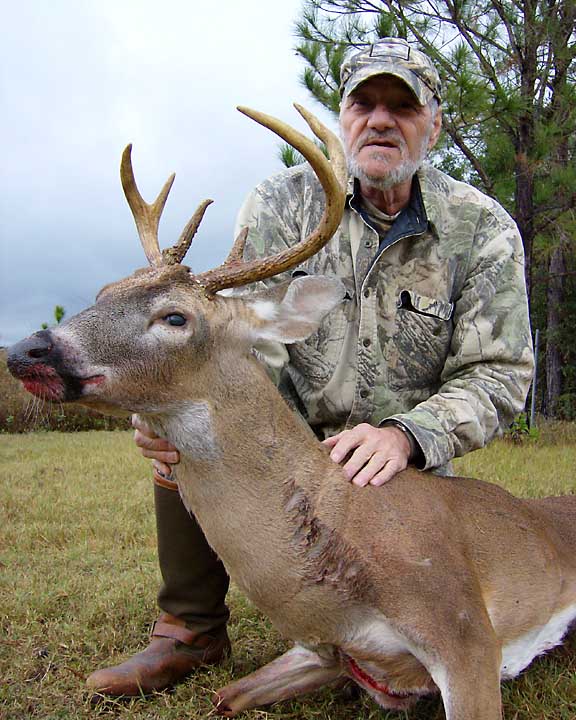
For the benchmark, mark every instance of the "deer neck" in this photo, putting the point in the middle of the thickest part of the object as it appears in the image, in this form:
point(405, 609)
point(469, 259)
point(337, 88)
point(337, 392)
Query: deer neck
point(232, 419)
point(246, 461)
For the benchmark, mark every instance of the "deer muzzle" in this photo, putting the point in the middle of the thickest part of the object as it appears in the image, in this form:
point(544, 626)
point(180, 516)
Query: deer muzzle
point(38, 363)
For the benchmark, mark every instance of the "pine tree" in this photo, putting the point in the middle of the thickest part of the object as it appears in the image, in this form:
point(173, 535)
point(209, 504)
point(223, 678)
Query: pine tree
point(509, 104)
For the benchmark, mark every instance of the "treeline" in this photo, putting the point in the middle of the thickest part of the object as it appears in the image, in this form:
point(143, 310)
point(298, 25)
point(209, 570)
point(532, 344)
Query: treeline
point(508, 70)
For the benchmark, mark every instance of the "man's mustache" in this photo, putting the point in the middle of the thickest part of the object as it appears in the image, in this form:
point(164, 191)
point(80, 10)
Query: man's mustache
point(374, 137)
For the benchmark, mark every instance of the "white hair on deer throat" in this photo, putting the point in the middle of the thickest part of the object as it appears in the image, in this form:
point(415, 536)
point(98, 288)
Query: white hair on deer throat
point(191, 430)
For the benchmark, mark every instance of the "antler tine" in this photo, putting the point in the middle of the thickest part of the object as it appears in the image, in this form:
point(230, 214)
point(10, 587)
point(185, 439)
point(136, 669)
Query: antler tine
point(333, 182)
point(174, 255)
point(146, 216)
point(237, 252)
point(332, 142)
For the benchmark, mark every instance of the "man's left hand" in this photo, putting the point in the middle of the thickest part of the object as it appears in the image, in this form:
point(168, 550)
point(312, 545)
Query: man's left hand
point(370, 455)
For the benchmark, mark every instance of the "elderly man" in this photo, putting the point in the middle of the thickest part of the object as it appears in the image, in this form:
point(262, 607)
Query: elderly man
point(428, 358)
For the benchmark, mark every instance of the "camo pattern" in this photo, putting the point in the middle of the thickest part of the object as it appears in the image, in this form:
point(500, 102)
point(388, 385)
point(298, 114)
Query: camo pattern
point(435, 335)
point(392, 56)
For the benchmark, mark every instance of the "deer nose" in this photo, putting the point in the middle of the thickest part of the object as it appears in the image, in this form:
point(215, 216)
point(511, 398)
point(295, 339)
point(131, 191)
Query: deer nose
point(33, 349)
point(39, 346)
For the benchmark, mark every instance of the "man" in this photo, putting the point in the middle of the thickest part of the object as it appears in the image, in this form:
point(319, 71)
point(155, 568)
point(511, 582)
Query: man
point(429, 357)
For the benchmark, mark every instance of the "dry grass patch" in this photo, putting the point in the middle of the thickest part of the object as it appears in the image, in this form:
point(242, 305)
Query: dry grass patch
point(79, 577)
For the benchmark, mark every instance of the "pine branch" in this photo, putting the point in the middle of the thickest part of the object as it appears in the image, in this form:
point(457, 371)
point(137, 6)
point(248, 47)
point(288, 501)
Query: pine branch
point(469, 155)
point(511, 35)
point(556, 210)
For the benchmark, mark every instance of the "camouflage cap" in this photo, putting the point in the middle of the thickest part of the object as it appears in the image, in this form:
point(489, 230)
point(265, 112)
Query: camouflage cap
point(392, 56)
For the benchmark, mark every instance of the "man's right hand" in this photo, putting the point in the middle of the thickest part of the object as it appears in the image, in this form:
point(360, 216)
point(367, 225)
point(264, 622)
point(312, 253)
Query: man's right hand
point(151, 446)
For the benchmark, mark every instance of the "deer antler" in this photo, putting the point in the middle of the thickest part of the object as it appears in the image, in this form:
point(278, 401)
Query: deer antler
point(174, 255)
point(233, 272)
point(147, 217)
point(235, 255)
point(333, 179)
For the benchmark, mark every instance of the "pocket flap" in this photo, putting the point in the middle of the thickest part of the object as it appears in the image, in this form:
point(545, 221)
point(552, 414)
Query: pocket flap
point(409, 300)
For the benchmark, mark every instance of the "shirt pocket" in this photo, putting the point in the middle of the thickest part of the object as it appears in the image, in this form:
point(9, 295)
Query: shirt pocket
point(423, 305)
point(423, 337)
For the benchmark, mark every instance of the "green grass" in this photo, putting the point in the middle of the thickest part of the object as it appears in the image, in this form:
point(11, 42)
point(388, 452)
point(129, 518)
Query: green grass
point(78, 580)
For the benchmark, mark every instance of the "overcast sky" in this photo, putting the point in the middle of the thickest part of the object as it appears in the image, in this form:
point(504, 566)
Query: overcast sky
point(82, 78)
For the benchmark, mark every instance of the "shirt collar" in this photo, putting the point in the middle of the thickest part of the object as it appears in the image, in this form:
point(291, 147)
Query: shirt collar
point(414, 212)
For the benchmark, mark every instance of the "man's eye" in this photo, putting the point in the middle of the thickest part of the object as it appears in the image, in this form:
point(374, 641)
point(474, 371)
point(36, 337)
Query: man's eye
point(175, 319)
point(406, 106)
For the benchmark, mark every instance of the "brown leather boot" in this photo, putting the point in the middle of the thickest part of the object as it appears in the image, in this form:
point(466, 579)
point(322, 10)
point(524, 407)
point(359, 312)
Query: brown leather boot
point(174, 653)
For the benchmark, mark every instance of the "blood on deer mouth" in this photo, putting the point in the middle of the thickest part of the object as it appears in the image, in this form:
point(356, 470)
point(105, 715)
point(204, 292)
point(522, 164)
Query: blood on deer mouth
point(46, 383)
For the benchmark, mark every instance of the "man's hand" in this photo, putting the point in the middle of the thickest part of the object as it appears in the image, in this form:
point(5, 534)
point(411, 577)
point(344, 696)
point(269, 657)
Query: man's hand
point(370, 455)
point(151, 446)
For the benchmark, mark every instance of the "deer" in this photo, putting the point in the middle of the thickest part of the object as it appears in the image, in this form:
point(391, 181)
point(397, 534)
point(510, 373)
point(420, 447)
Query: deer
point(425, 585)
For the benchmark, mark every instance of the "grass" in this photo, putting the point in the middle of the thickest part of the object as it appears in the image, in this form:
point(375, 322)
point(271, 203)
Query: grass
point(78, 579)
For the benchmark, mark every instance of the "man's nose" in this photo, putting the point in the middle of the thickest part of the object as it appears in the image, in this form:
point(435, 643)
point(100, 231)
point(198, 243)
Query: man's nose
point(381, 118)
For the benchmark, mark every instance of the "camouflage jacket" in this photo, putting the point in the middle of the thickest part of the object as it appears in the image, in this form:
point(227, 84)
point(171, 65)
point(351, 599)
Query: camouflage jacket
point(434, 332)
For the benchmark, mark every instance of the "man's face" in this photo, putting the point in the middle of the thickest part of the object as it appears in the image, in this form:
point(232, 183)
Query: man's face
point(386, 132)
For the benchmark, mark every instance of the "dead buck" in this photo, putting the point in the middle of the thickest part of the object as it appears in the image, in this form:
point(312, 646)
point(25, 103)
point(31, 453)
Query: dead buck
point(425, 584)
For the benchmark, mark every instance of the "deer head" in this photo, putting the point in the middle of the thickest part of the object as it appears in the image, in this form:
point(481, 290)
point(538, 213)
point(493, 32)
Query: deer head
point(165, 323)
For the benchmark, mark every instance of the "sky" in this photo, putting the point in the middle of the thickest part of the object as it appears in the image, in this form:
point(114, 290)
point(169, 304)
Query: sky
point(79, 80)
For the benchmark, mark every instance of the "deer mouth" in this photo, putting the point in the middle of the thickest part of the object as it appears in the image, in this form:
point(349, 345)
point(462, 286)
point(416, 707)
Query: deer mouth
point(44, 382)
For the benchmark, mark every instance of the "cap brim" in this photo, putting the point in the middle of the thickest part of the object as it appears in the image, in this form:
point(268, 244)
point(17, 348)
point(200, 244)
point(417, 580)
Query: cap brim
point(420, 90)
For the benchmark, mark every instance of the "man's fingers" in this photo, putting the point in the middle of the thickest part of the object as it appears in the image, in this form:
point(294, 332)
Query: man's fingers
point(156, 448)
point(139, 424)
point(371, 468)
point(359, 460)
point(344, 445)
point(162, 469)
point(390, 470)
point(331, 441)
point(370, 455)
point(171, 458)
point(151, 443)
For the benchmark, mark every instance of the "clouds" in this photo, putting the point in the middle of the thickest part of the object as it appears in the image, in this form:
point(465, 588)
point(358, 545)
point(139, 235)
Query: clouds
point(81, 80)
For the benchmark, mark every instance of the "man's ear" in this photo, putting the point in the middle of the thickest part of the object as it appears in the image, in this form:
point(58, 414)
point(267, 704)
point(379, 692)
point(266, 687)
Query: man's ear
point(436, 129)
point(299, 312)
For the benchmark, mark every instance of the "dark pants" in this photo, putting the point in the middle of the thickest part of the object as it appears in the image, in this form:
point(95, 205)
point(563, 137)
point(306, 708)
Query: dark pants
point(194, 580)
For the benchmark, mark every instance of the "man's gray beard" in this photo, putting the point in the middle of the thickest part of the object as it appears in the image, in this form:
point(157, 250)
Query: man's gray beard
point(392, 178)
point(389, 178)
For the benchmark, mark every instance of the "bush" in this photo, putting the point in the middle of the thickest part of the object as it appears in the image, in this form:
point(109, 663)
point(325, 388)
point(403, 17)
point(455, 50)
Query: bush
point(520, 430)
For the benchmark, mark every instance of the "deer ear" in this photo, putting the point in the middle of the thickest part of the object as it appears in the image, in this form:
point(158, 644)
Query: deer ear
point(300, 311)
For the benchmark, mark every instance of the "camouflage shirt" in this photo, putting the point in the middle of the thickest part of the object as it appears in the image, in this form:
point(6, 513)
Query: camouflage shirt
point(434, 332)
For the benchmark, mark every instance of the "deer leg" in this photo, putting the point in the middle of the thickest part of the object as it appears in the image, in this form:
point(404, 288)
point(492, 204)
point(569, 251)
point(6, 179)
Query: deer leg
point(470, 684)
point(297, 672)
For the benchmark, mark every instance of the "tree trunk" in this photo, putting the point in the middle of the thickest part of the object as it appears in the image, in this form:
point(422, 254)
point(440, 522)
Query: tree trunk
point(524, 216)
point(554, 355)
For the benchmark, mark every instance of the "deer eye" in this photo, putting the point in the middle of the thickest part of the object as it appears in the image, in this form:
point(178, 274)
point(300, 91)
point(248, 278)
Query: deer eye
point(175, 319)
